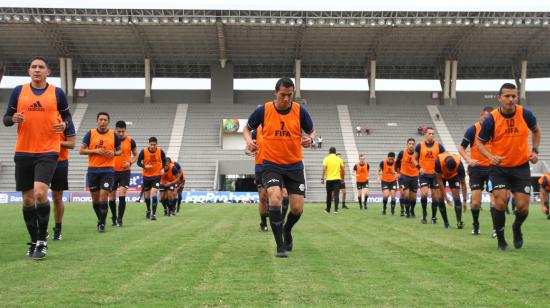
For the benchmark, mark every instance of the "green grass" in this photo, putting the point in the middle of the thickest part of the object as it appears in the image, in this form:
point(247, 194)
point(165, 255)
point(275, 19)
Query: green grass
point(213, 255)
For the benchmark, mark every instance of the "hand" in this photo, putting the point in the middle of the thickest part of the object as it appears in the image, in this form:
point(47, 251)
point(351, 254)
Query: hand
point(100, 151)
point(306, 141)
point(496, 160)
point(473, 162)
point(248, 152)
point(448, 200)
point(322, 181)
point(251, 147)
point(59, 127)
point(126, 164)
point(534, 158)
point(18, 117)
point(421, 171)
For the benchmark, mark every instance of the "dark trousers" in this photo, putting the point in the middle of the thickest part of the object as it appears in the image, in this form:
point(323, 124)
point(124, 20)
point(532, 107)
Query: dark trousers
point(333, 190)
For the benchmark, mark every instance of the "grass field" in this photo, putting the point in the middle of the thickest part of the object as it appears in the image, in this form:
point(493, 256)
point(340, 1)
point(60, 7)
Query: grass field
point(213, 255)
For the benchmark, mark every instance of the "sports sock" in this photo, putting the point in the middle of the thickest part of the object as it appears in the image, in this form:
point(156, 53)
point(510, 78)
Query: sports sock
point(58, 226)
point(97, 211)
point(443, 210)
point(286, 201)
point(458, 210)
point(263, 218)
point(520, 218)
point(329, 199)
point(384, 203)
point(407, 203)
point(29, 215)
point(112, 206)
point(424, 202)
point(173, 205)
point(365, 201)
point(392, 204)
point(291, 220)
point(155, 203)
point(164, 203)
point(513, 205)
point(402, 204)
point(475, 216)
point(179, 200)
point(121, 207)
point(104, 211)
point(276, 222)
point(499, 221)
point(434, 209)
point(412, 204)
point(43, 217)
point(148, 204)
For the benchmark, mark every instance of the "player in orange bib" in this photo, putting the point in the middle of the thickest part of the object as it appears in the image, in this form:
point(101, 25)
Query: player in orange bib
point(121, 181)
point(181, 185)
point(153, 160)
point(408, 178)
point(361, 174)
point(450, 171)
point(387, 176)
point(101, 144)
point(282, 121)
point(168, 186)
point(478, 168)
point(507, 129)
point(425, 154)
point(35, 107)
point(544, 183)
point(262, 193)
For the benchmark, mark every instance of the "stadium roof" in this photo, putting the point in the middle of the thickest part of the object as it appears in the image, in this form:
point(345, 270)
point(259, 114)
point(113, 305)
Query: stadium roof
point(264, 44)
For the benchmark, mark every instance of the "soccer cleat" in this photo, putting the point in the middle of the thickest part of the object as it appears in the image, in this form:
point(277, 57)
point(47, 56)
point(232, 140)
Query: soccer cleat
point(360, 206)
point(287, 238)
point(327, 211)
point(281, 252)
point(366, 207)
point(434, 220)
point(460, 225)
point(30, 251)
point(335, 212)
point(148, 215)
point(113, 219)
point(345, 206)
point(263, 228)
point(40, 251)
point(153, 217)
point(119, 222)
point(56, 234)
point(447, 226)
point(100, 227)
point(424, 221)
point(413, 215)
point(494, 235)
point(548, 216)
point(402, 214)
point(408, 215)
point(166, 212)
point(475, 230)
point(502, 245)
point(518, 236)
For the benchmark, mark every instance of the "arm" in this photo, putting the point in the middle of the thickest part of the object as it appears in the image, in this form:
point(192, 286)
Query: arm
point(69, 143)
point(380, 169)
point(441, 185)
point(464, 194)
point(84, 150)
point(495, 160)
point(140, 160)
point(535, 141)
point(416, 158)
point(256, 119)
point(342, 171)
point(324, 174)
point(468, 140)
point(251, 147)
point(306, 123)
point(12, 116)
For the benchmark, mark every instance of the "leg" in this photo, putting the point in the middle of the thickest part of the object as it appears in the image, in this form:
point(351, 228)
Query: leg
point(499, 219)
point(121, 204)
point(475, 205)
point(112, 206)
point(458, 207)
point(344, 195)
point(436, 195)
point(392, 202)
point(285, 203)
point(275, 200)
point(262, 209)
point(522, 211)
point(424, 202)
point(58, 211)
point(412, 202)
point(386, 194)
point(330, 195)
point(147, 197)
point(365, 197)
point(296, 210)
point(154, 202)
point(180, 191)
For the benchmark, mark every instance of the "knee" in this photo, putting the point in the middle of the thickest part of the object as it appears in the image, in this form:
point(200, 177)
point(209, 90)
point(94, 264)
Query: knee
point(40, 195)
point(275, 199)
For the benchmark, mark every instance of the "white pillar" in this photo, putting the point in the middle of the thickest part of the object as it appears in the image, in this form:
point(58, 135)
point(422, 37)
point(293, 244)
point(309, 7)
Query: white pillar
point(447, 81)
point(147, 68)
point(63, 74)
point(523, 76)
point(297, 87)
point(372, 83)
point(70, 81)
point(454, 75)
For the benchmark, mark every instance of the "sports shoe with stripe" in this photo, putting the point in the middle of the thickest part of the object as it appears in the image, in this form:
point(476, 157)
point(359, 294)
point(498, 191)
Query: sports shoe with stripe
point(41, 250)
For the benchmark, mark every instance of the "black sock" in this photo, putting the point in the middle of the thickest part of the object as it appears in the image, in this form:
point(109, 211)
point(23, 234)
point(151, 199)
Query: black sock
point(173, 205)
point(434, 209)
point(291, 220)
point(263, 218)
point(43, 217)
point(443, 210)
point(148, 204)
point(402, 204)
point(104, 210)
point(424, 202)
point(179, 201)
point(407, 203)
point(458, 210)
point(499, 221)
point(155, 203)
point(513, 204)
point(286, 201)
point(29, 215)
point(58, 226)
point(360, 201)
point(520, 218)
point(392, 204)
point(97, 211)
point(365, 200)
point(112, 206)
point(412, 204)
point(121, 207)
point(475, 216)
point(276, 222)
point(164, 203)
point(385, 203)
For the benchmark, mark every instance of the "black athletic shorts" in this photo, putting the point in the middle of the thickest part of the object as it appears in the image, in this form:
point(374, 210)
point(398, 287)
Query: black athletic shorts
point(293, 180)
point(408, 183)
point(164, 187)
point(333, 186)
point(33, 169)
point(60, 180)
point(151, 182)
point(389, 185)
point(100, 180)
point(121, 179)
point(479, 179)
point(258, 180)
point(453, 183)
point(517, 179)
point(361, 185)
point(428, 180)
point(342, 184)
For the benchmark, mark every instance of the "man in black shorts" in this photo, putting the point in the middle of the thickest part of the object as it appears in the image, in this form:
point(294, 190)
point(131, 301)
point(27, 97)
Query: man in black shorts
point(388, 180)
point(36, 107)
point(408, 177)
point(449, 170)
point(152, 159)
point(343, 189)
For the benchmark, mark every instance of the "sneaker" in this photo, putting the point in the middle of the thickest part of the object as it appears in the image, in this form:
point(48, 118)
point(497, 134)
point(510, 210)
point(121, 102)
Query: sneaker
point(518, 236)
point(30, 251)
point(119, 222)
point(345, 207)
point(434, 220)
point(460, 225)
point(153, 217)
point(100, 227)
point(114, 224)
point(287, 237)
point(56, 234)
point(402, 214)
point(40, 250)
point(502, 246)
point(424, 221)
point(281, 253)
point(263, 228)
point(335, 212)
point(327, 211)
point(475, 230)
point(148, 215)
point(447, 226)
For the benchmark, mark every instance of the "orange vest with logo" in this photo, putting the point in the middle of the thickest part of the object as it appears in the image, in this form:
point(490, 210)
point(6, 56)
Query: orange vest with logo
point(169, 176)
point(35, 134)
point(125, 155)
point(362, 173)
point(388, 172)
point(547, 177)
point(105, 141)
point(407, 164)
point(511, 138)
point(427, 156)
point(258, 158)
point(475, 153)
point(153, 159)
point(63, 152)
point(282, 135)
point(445, 173)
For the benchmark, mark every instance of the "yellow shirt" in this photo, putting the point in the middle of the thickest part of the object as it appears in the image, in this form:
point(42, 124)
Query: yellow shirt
point(333, 164)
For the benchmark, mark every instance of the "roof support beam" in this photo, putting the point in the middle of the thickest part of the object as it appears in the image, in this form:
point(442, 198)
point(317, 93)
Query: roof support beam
point(221, 43)
point(299, 42)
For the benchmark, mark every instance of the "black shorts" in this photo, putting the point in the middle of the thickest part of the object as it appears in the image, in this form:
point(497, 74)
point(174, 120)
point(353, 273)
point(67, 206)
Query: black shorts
point(101, 180)
point(33, 169)
point(258, 180)
point(479, 179)
point(293, 180)
point(428, 180)
point(60, 180)
point(164, 187)
point(389, 185)
point(517, 179)
point(121, 179)
point(361, 185)
point(151, 182)
point(408, 183)
point(342, 185)
point(333, 186)
point(453, 183)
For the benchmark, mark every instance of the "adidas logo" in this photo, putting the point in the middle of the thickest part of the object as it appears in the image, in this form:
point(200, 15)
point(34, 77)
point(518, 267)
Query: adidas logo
point(37, 106)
